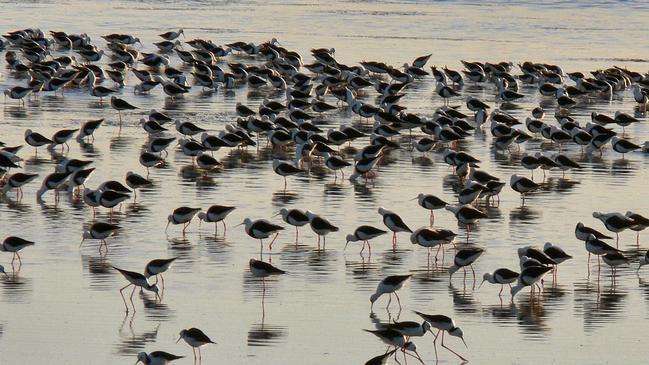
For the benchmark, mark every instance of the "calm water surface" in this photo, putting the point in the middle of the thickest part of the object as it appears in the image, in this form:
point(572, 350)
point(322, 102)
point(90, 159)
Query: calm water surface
point(64, 304)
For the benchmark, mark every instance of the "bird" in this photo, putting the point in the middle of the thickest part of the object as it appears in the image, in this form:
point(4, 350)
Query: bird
point(100, 231)
point(261, 269)
point(157, 267)
point(556, 253)
point(364, 233)
point(320, 226)
point(530, 276)
point(394, 223)
point(429, 238)
point(614, 222)
point(156, 358)
point(261, 229)
point(119, 105)
point(17, 181)
point(216, 214)
point(171, 35)
point(136, 181)
point(432, 203)
point(285, 169)
point(640, 223)
point(381, 359)
point(467, 215)
point(501, 276)
point(443, 324)
point(188, 128)
point(196, 339)
point(110, 199)
point(137, 280)
point(523, 185)
point(18, 93)
point(336, 163)
point(614, 260)
point(463, 258)
point(294, 217)
point(395, 339)
point(62, 137)
point(409, 328)
point(582, 233)
point(36, 139)
point(623, 146)
point(182, 215)
point(599, 248)
point(388, 286)
point(14, 244)
point(52, 182)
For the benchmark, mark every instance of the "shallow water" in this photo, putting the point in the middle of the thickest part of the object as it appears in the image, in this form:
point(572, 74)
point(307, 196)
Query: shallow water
point(64, 303)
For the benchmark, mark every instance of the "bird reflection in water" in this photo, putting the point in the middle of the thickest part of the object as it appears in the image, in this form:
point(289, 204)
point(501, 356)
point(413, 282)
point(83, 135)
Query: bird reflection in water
point(15, 288)
point(14, 205)
point(531, 318)
point(463, 300)
point(283, 197)
point(99, 271)
point(130, 342)
point(524, 214)
point(598, 305)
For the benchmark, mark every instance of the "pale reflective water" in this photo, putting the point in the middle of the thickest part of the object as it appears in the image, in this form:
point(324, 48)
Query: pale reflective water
point(64, 303)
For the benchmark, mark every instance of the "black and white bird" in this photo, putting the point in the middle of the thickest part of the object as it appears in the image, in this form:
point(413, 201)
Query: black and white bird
point(120, 105)
point(100, 231)
point(17, 181)
point(598, 247)
point(294, 217)
point(36, 139)
point(522, 185)
point(443, 324)
point(623, 146)
point(583, 232)
point(62, 137)
point(215, 214)
point(395, 339)
point(530, 276)
point(52, 182)
point(88, 129)
point(467, 215)
point(182, 215)
point(157, 267)
point(502, 276)
point(640, 223)
point(432, 203)
point(320, 226)
point(445, 92)
point(556, 253)
point(364, 233)
point(156, 358)
point(136, 181)
point(14, 244)
point(196, 339)
point(285, 169)
point(261, 229)
point(336, 164)
point(263, 269)
point(614, 222)
point(389, 285)
point(394, 223)
point(429, 238)
point(463, 258)
point(136, 280)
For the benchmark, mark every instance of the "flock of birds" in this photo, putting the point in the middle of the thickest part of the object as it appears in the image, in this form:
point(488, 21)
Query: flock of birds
point(290, 122)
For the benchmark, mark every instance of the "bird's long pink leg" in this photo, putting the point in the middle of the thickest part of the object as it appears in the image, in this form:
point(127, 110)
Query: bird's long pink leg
point(122, 295)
